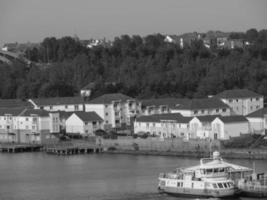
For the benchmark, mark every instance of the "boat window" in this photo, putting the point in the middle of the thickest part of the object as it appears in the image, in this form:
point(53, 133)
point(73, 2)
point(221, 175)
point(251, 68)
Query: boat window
point(221, 170)
point(216, 170)
point(220, 185)
point(214, 185)
point(229, 185)
point(182, 184)
point(225, 185)
point(178, 184)
point(209, 171)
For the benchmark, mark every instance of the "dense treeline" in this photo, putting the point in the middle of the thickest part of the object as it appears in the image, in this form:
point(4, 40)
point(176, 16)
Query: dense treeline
point(139, 67)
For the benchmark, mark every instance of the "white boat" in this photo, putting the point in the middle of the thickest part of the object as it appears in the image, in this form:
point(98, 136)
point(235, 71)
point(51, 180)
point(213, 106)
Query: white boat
point(209, 179)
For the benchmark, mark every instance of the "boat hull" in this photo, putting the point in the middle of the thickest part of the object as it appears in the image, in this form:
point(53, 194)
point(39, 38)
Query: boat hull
point(191, 192)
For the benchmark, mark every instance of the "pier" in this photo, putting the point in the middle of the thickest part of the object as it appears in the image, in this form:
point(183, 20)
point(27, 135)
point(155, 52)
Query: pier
point(17, 148)
point(73, 148)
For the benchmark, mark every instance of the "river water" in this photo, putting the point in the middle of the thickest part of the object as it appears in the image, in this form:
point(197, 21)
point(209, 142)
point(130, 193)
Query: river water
point(39, 176)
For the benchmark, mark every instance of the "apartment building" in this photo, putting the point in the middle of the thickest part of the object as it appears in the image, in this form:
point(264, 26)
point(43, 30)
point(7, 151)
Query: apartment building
point(22, 125)
point(258, 121)
point(116, 109)
point(84, 123)
point(67, 104)
point(160, 105)
point(163, 125)
point(201, 107)
point(241, 101)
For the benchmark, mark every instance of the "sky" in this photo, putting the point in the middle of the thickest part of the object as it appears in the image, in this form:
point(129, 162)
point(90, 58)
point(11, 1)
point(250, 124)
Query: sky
point(33, 20)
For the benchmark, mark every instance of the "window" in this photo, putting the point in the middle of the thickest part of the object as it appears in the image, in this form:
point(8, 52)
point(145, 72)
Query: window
point(202, 111)
point(27, 119)
point(225, 185)
point(106, 114)
point(106, 122)
point(178, 184)
point(250, 99)
point(224, 109)
point(195, 111)
point(217, 110)
point(236, 100)
point(51, 107)
point(94, 123)
point(66, 106)
point(106, 106)
point(230, 100)
point(214, 185)
point(154, 124)
point(257, 99)
point(220, 185)
point(76, 107)
point(86, 123)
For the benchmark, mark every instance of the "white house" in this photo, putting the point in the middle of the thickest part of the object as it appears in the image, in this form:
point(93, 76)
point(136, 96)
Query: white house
point(116, 109)
point(229, 126)
point(200, 126)
point(163, 125)
point(84, 123)
point(68, 104)
point(241, 101)
point(28, 126)
point(258, 121)
point(201, 107)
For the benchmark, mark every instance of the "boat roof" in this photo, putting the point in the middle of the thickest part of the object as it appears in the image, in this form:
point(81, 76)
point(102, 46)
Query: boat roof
point(219, 163)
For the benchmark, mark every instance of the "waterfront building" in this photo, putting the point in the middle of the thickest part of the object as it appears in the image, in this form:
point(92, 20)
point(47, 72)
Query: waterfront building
point(258, 121)
point(116, 109)
point(22, 125)
point(67, 104)
point(225, 127)
point(163, 125)
point(201, 107)
point(84, 123)
point(200, 127)
point(241, 101)
point(160, 106)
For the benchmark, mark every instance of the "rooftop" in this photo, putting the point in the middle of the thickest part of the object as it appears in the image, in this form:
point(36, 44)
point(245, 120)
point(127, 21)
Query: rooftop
point(15, 103)
point(108, 98)
point(171, 102)
point(234, 118)
point(197, 104)
point(88, 116)
point(164, 117)
point(207, 118)
point(259, 113)
point(58, 101)
point(237, 93)
point(11, 111)
point(39, 112)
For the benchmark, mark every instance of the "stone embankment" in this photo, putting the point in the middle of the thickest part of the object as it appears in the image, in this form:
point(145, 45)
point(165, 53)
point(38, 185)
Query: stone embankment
point(178, 147)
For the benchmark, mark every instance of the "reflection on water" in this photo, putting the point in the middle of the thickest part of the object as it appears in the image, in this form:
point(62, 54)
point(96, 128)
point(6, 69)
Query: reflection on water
point(38, 176)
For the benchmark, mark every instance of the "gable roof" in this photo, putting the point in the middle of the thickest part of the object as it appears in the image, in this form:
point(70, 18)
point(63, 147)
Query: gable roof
point(108, 98)
point(259, 113)
point(197, 104)
point(58, 101)
point(88, 116)
point(232, 119)
point(237, 93)
point(170, 102)
point(15, 103)
point(39, 112)
point(164, 117)
point(207, 118)
point(11, 111)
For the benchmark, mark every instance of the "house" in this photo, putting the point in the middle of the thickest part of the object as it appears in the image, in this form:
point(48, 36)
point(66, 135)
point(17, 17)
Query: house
point(200, 126)
point(68, 104)
point(22, 125)
point(258, 121)
point(160, 106)
point(201, 107)
point(116, 109)
point(86, 91)
point(163, 125)
point(63, 116)
point(241, 101)
point(225, 127)
point(84, 123)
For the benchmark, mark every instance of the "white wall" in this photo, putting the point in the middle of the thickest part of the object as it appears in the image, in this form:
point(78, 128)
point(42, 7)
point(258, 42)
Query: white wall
point(257, 125)
point(74, 125)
